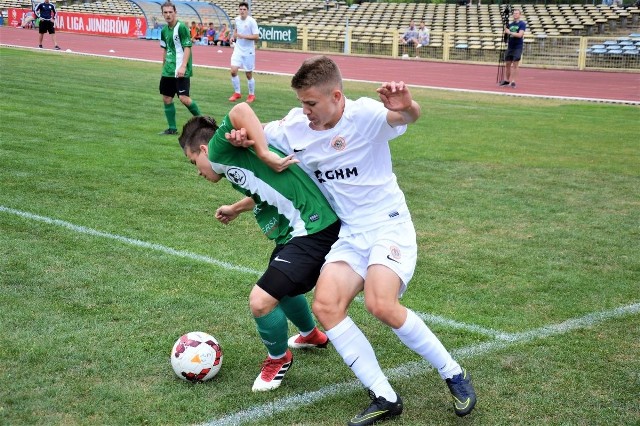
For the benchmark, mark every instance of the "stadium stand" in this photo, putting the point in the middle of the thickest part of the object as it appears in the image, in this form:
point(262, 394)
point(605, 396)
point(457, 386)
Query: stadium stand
point(549, 19)
point(102, 7)
point(618, 52)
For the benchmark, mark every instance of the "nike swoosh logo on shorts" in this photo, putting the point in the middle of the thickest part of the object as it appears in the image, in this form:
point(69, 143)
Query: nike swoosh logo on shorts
point(299, 150)
point(392, 259)
point(277, 259)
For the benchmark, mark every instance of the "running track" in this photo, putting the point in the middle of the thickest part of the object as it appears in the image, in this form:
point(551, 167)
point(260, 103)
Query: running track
point(596, 86)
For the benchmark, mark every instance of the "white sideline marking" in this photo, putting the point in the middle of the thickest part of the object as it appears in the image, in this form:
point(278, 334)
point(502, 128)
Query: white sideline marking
point(435, 319)
point(429, 318)
point(130, 241)
point(489, 92)
point(408, 370)
point(260, 412)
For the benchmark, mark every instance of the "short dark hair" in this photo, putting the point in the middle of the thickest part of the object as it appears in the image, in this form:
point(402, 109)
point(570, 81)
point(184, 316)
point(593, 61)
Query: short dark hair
point(197, 131)
point(168, 4)
point(244, 3)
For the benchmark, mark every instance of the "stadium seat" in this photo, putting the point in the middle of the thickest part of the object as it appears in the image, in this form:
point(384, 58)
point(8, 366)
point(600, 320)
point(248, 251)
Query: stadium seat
point(148, 33)
point(155, 34)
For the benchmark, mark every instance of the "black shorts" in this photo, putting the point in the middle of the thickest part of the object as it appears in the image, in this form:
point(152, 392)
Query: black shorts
point(294, 267)
point(46, 27)
point(170, 86)
point(513, 55)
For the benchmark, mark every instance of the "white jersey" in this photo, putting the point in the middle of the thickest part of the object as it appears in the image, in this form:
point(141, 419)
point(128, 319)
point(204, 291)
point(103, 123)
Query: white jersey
point(248, 26)
point(351, 163)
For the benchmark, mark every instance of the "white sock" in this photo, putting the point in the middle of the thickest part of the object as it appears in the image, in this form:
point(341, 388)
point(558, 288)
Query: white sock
point(235, 81)
point(357, 353)
point(415, 334)
point(252, 86)
point(306, 333)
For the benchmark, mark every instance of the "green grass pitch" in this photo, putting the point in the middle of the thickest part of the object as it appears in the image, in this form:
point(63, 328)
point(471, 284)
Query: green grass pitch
point(527, 213)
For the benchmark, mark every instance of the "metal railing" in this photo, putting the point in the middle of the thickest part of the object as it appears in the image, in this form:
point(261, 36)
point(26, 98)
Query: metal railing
point(564, 52)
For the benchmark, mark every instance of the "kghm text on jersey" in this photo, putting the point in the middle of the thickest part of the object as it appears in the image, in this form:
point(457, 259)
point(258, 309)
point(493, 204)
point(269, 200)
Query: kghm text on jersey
point(336, 174)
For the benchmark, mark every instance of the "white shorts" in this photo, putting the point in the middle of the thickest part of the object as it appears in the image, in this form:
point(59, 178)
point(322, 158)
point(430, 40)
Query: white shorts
point(392, 246)
point(246, 62)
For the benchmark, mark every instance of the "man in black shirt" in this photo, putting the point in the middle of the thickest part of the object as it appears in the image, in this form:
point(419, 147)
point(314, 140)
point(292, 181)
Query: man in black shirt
point(47, 13)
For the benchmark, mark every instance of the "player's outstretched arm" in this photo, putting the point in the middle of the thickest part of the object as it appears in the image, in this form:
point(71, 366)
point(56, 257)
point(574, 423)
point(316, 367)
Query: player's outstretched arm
point(249, 132)
point(397, 98)
point(226, 213)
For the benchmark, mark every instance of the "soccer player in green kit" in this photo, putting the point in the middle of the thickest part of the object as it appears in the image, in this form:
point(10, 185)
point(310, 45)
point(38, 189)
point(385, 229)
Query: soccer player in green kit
point(291, 210)
point(175, 40)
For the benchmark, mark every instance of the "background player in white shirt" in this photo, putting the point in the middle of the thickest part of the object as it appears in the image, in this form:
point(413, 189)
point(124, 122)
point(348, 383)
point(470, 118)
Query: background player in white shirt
point(344, 146)
point(245, 35)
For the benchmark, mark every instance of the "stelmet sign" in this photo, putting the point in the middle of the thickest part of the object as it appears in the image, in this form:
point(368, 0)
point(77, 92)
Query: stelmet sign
point(278, 34)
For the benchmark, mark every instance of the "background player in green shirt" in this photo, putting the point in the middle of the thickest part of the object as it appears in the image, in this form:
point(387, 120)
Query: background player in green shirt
point(175, 40)
point(291, 211)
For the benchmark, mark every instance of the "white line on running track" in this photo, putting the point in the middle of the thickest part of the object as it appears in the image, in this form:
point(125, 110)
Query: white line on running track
point(264, 411)
point(130, 241)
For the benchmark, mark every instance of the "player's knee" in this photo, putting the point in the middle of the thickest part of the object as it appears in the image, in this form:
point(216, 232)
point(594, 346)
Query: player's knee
point(260, 302)
point(320, 308)
point(381, 308)
point(327, 310)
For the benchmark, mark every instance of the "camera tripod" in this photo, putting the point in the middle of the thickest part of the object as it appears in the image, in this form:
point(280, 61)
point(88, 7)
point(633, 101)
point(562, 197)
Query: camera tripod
point(506, 12)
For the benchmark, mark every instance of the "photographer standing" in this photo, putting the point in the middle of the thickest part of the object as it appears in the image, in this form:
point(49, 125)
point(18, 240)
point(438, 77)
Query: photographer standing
point(515, 33)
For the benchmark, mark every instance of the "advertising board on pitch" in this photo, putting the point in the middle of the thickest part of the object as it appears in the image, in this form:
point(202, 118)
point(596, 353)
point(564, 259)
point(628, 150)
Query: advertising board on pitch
point(278, 34)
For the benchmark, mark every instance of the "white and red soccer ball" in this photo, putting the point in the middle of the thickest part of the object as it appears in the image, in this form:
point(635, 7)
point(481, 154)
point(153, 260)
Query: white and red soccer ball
point(196, 357)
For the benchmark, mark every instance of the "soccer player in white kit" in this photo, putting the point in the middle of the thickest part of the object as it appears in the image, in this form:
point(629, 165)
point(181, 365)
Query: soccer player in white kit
point(344, 146)
point(245, 35)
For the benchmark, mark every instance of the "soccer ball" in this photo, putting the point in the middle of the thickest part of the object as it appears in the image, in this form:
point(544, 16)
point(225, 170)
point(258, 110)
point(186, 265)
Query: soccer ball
point(196, 357)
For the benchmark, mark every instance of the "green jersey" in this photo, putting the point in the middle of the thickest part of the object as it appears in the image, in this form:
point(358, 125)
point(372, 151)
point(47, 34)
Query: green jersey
point(288, 204)
point(174, 41)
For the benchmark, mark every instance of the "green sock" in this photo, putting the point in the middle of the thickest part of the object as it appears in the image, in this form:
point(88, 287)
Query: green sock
point(297, 310)
point(193, 108)
point(273, 330)
point(170, 112)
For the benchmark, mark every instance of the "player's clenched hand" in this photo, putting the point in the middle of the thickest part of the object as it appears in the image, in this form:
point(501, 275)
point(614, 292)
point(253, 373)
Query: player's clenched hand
point(226, 214)
point(239, 138)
